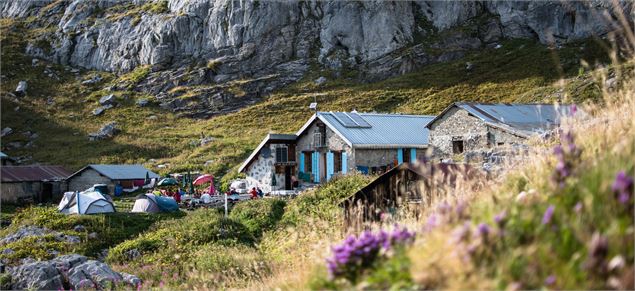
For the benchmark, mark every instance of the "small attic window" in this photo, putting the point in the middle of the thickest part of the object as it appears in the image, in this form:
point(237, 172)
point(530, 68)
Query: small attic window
point(457, 146)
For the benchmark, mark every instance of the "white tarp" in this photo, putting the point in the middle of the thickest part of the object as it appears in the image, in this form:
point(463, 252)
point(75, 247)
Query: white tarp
point(85, 203)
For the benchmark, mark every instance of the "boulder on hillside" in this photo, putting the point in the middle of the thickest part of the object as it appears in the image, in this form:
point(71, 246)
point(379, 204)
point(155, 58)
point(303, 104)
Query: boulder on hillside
point(90, 273)
point(107, 131)
point(108, 100)
point(40, 275)
point(142, 102)
point(320, 81)
point(21, 89)
point(95, 79)
point(101, 109)
point(6, 131)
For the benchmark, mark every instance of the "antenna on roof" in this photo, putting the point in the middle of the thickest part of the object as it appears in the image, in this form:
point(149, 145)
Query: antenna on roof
point(313, 105)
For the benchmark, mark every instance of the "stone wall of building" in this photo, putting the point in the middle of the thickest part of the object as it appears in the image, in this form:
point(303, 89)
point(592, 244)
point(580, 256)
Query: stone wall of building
point(14, 192)
point(333, 141)
point(19, 191)
point(501, 137)
point(457, 124)
point(87, 179)
point(260, 171)
point(382, 157)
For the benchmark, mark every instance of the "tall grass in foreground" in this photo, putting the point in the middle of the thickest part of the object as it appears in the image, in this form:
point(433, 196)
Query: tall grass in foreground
point(555, 218)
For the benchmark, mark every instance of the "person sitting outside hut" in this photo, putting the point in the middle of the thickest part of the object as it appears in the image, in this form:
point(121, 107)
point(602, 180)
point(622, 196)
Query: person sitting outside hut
point(177, 196)
point(206, 198)
point(254, 193)
point(260, 193)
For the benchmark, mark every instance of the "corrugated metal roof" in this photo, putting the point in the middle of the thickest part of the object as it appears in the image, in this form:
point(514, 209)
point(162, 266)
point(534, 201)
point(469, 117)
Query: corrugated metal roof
point(268, 138)
point(385, 131)
point(121, 172)
point(523, 119)
point(33, 173)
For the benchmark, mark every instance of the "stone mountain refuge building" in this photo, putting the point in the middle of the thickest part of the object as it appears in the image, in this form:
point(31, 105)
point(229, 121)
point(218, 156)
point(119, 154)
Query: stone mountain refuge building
point(470, 129)
point(126, 175)
point(333, 143)
point(37, 183)
point(271, 165)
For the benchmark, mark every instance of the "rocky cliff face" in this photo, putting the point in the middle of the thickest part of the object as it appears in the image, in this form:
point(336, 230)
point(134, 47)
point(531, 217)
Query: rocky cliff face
point(272, 43)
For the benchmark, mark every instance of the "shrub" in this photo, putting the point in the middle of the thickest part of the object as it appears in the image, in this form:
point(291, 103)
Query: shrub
point(258, 215)
point(323, 202)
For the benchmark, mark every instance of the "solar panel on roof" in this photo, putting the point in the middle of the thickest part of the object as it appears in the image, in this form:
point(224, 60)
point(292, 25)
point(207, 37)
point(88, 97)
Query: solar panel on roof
point(345, 120)
point(359, 119)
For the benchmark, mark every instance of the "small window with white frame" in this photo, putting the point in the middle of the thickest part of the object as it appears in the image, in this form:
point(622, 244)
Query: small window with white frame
point(282, 154)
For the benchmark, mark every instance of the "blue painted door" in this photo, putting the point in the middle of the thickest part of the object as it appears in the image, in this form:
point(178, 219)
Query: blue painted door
point(399, 156)
point(330, 165)
point(344, 161)
point(301, 169)
point(413, 155)
point(315, 166)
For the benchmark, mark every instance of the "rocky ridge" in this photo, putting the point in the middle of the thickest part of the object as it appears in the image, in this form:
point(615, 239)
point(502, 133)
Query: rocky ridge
point(209, 46)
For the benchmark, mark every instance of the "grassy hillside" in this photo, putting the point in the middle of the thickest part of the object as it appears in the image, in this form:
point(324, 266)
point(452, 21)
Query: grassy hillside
point(60, 110)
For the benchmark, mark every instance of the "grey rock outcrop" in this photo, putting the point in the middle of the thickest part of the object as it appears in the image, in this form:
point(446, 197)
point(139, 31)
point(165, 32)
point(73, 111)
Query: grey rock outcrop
point(68, 271)
point(6, 131)
point(36, 275)
point(20, 90)
point(108, 100)
point(28, 231)
point(91, 273)
point(248, 36)
point(270, 44)
point(107, 131)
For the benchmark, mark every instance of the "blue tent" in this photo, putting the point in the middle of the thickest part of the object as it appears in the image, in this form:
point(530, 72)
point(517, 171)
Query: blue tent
point(167, 204)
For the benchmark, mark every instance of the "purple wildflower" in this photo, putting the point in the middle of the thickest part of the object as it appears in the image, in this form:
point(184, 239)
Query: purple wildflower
point(444, 208)
point(460, 209)
point(356, 253)
point(623, 187)
point(501, 219)
point(550, 280)
point(546, 218)
point(573, 109)
point(483, 229)
point(431, 223)
point(578, 207)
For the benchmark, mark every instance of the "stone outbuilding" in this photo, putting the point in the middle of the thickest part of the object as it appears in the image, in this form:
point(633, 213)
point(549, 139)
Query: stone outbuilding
point(468, 130)
point(272, 164)
point(39, 184)
point(128, 176)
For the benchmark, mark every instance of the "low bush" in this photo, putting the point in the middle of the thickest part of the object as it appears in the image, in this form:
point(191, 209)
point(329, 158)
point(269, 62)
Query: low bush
point(258, 215)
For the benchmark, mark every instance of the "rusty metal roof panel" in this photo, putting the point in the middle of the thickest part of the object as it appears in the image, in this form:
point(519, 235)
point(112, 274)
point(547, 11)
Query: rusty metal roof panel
point(33, 173)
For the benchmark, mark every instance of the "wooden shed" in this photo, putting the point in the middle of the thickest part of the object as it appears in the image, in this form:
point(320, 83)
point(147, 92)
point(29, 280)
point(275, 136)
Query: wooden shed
point(407, 185)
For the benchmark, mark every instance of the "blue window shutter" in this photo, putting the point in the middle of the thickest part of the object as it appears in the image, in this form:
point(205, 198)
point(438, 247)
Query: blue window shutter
point(399, 156)
point(330, 165)
point(344, 161)
point(301, 168)
point(316, 167)
point(413, 155)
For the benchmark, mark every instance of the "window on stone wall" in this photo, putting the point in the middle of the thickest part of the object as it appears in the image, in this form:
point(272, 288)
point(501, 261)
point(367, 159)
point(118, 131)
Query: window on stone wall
point(337, 162)
point(282, 154)
point(308, 162)
point(457, 146)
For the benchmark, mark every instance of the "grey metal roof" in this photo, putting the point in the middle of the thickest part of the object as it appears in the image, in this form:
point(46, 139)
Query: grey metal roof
point(121, 172)
point(383, 130)
point(522, 119)
point(3, 155)
point(270, 137)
